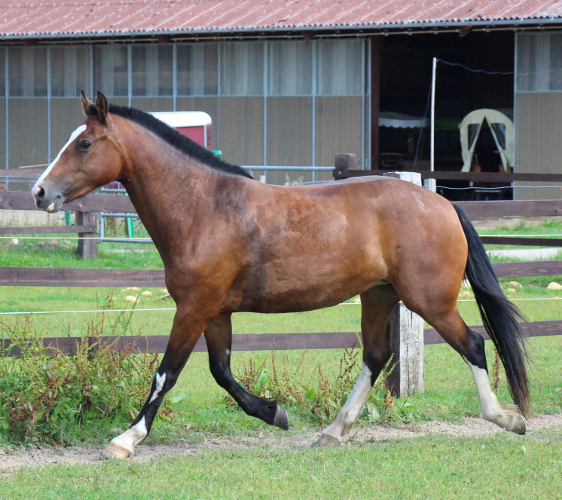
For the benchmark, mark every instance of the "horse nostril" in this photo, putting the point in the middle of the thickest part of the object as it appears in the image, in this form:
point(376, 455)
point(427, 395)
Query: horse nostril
point(39, 193)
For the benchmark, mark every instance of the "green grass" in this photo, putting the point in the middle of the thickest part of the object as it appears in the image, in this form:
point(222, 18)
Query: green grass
point(418, 468)
point(548, 228)
point(49, 252)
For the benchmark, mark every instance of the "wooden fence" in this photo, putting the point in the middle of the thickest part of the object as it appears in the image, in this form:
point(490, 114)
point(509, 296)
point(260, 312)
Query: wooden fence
point(255, 341)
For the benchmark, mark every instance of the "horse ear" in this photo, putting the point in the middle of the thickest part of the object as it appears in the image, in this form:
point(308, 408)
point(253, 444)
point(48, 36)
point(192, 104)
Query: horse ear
point(87, 106)
point(101, 107)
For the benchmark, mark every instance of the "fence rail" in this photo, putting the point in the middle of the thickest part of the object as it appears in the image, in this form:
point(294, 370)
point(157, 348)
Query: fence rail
point(90, 205)
point(39, 276)
point(156, 344)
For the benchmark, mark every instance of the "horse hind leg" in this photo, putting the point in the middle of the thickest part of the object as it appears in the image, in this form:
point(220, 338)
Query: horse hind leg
point(505, 416)
point(470, 346)
point(219, 340)
point(377, 306)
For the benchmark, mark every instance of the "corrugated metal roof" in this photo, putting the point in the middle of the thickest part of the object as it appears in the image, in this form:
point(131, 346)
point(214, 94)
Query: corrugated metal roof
point(40, 18)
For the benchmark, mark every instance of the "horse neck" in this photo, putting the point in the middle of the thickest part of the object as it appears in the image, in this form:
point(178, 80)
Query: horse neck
point(164, 185)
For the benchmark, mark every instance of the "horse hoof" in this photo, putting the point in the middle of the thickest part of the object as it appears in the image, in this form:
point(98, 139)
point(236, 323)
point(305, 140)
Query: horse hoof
point(326, 441)
point(113, 450)
point(281, 419)
point(519, 426)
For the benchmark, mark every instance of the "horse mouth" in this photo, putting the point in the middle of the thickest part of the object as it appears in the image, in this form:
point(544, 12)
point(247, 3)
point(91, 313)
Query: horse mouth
point(55, 205)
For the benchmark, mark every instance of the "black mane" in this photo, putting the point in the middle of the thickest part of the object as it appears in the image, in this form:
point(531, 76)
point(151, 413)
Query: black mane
point(177, 140)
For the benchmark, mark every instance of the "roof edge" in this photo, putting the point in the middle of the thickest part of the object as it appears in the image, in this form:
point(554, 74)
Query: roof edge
point(370, 29)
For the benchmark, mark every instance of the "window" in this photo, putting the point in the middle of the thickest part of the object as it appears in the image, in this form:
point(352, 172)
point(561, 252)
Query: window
point(3, 77)
point(197, 67)
point(539, 62)
point(28, 71)
point(110, 70)
point(152, 70)
point(70, 71)
point(242, 68)
point(290, 68)
point(340, 64)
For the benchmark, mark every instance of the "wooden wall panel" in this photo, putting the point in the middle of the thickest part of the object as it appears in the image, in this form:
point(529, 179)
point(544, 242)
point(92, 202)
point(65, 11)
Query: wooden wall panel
point(538, 139)
point(289, 131)
point(339, 128)
point(28, 131)
point(66, 116)
point(153, 103)
point(240, 129)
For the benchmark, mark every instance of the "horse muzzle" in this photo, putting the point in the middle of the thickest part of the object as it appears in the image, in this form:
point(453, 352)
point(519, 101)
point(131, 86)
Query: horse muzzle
point(49, 201)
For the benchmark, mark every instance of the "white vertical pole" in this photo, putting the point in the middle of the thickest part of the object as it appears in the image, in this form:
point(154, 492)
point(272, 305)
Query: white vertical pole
point(432, 150)
point(406, 335)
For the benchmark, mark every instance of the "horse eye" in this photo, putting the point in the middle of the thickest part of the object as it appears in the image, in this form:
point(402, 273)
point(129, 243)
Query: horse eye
point(85, 144)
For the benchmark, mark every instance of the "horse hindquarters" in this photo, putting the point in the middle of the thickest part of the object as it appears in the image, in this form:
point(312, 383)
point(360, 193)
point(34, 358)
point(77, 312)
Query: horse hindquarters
point(435, 300)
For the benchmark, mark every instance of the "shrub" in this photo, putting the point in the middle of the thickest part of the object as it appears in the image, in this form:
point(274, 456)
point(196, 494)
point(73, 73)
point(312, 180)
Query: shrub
point(44, 394)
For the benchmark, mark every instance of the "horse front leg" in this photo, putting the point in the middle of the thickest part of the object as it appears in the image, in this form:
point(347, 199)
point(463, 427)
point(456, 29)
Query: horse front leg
point(219, 341)
point(185, 333)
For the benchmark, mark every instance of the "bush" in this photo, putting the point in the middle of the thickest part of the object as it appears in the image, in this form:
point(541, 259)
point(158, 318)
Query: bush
point(45, 394)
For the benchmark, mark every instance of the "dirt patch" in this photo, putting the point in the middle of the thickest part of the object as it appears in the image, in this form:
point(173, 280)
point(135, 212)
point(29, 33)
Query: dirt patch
point(472, 427)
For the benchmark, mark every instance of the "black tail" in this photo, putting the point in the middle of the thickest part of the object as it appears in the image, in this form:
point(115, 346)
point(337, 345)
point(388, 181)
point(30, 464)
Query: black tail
point(499, 315)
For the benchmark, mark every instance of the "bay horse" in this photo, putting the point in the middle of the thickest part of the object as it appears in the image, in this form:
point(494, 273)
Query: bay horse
point(230, 243)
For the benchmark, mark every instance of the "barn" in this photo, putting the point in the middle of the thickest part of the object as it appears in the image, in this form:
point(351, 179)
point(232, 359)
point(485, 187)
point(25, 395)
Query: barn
point(291, 83)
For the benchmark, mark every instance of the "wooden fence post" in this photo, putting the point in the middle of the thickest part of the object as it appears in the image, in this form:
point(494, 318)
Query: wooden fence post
point(406, 345)
point(345, 161)
point(87, 242)
point(406, 335)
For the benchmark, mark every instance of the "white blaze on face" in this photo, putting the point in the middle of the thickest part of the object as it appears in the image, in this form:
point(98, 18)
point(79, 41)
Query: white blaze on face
point(72, 137)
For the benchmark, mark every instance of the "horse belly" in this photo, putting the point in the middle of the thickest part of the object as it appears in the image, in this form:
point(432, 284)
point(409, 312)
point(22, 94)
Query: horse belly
point(313, 282)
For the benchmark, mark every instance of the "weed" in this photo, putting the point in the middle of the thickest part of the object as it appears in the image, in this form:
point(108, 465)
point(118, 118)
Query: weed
point(45, 393)
point(317, 395)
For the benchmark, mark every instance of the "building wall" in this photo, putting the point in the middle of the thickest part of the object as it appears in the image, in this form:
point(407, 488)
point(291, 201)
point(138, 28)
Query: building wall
point(538, 110)
point(286, 103)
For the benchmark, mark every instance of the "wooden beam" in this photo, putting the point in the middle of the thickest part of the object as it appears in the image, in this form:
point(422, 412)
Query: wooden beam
point(257, 341)
point(12, 200)
point(463, 176)
point(406, 335)
point(376, 43)
point(49, 229)
point(30, 276)
point(88, 243)
point(532, 242)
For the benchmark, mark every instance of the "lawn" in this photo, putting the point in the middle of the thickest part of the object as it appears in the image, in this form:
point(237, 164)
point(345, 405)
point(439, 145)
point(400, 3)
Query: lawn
point(419, 468)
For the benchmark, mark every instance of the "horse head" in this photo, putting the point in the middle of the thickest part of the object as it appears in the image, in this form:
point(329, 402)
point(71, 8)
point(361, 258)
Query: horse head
point(89, 159)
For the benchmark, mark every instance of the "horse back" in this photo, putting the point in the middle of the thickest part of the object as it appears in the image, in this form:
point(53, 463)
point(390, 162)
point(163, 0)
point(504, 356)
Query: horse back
point(314, 246)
